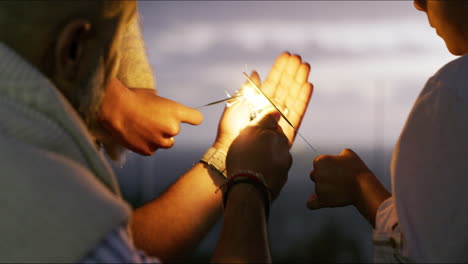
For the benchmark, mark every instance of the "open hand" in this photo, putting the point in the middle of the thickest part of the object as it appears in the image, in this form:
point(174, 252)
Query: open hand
point(287, 85)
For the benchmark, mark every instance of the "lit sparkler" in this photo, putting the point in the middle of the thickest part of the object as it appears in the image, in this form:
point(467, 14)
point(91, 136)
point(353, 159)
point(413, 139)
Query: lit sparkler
point(256, 101)
point(279, 110)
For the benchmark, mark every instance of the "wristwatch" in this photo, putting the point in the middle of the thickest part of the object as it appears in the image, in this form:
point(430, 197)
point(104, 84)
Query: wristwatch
point(216, 159)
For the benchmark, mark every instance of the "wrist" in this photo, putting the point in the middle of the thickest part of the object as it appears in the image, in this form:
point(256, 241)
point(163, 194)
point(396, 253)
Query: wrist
point(221, 146)
point(251, 181)
point(360, 181)
point(370, 193)
point(215, 159)
point(246, 195)
point(109, 115)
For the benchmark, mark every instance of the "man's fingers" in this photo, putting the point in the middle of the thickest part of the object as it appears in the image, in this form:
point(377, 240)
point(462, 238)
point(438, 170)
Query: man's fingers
point(290, 160)
point(313, 202)
point(303, 73)
point(255, 78)
point(275, 74)
point(347, 152)
point(164, 142)
point(323, 161)
point(313, 176)
point(190, 115)
point(306, 93)
point(293, 64)
point(269, 120)
point(288, 81)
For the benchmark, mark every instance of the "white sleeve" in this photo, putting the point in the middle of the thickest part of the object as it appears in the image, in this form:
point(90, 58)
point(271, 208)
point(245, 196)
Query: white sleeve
point(388, 239)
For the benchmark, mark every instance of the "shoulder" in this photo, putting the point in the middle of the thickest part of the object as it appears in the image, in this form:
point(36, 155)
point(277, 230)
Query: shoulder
point(453, 77)
point(446, 93)
point(25, 159)
point(454, 68)
point(46, 195)
point(36, 171)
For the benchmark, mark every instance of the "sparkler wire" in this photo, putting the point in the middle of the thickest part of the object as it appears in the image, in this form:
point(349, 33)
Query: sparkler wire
point(221, 101)
point(281, 113)
point(269, 100)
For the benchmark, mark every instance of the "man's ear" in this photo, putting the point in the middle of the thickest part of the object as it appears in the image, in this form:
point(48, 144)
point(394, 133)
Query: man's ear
point(69, 50)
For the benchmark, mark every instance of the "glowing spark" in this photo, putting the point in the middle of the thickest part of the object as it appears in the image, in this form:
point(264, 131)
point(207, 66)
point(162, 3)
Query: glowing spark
point(279, 110)
point(256, 102)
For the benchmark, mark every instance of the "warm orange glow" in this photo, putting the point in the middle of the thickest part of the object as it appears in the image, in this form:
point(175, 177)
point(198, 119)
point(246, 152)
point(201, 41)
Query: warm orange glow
point(256, 102)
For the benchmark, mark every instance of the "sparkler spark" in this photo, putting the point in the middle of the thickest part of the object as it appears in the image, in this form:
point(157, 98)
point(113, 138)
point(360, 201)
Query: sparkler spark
point(256, 101)
point(279, 110)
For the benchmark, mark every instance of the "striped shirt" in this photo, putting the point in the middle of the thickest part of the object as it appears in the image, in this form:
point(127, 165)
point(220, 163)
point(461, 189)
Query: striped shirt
point(118, 247)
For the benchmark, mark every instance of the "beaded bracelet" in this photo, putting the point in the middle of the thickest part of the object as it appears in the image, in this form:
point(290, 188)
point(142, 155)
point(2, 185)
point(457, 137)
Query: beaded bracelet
point(255, 181)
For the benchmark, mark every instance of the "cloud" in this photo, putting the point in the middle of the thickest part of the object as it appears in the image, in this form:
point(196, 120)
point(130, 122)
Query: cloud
point(177, 12)
point(360, 59)
point(342, 37)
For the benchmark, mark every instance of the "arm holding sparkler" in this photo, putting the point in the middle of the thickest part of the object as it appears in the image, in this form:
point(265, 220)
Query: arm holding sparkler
point(173, 224)
point(261, 152)
point(287, 84)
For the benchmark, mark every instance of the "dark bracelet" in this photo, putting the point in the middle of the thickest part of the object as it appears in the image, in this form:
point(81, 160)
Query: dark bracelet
point(257, 184)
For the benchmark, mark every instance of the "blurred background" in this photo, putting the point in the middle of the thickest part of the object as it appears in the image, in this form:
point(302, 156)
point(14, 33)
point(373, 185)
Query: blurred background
point(369, 60)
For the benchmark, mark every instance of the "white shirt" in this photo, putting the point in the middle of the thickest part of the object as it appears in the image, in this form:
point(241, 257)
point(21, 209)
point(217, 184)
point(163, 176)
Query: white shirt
point(426, 220)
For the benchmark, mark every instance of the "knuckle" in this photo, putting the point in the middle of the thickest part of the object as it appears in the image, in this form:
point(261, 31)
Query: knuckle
point(312, 176)
point(290, 160)
point(324, 198)
point(173, 129)
point(297, 57)
point(322, 160)
point(268, 135)
point(147, 151)
point(283, 137)
point(347, 152)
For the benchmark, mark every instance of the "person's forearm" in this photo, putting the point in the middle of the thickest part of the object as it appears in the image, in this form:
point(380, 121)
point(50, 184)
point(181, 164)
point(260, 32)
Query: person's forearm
point(371, 193)
point(244, 235)
point(172, 225)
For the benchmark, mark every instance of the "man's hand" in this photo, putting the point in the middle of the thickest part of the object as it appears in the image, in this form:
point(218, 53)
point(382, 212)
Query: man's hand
point(262, 147)
point(141, 120)
point(345, 180)
point(287, 85)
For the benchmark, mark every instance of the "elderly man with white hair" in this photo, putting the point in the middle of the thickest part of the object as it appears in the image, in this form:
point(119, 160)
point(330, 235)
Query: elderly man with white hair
point(74, 78)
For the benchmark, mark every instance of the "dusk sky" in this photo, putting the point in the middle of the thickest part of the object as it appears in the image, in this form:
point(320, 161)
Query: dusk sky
point(369, 60)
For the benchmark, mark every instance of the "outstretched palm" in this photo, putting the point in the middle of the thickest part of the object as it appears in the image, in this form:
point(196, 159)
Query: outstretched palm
point(287, 85)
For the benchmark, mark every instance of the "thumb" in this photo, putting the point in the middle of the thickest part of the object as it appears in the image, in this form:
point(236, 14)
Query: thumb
point(347, 152)
point(313, 202)
point(268, 120)
point(255, 78)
